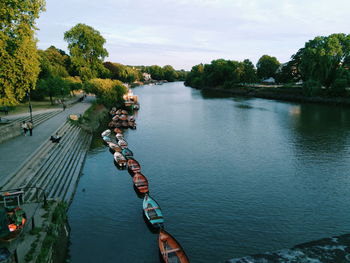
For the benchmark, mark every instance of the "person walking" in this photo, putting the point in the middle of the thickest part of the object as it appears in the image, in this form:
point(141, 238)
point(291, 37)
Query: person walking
point(30, 127)
point(24, 126)
point(64, 106)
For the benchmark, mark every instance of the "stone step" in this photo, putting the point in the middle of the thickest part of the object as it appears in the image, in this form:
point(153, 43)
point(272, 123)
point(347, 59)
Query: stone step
point(65, 160)
point(69, 193)
point(54, 161)
point(74, 167)
point(31, 163)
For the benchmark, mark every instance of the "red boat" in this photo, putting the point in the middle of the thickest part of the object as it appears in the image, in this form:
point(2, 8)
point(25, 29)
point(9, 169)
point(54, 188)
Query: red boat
point(170, 249)
point(134, 166)
point(141, 183)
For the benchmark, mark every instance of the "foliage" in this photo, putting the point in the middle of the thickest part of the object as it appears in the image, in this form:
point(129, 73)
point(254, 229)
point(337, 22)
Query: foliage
point(156, 72)
point(123, 73)
point(221, 71)
point(54, 64)
point(324, 59)
point(249, 72)
point(267, 67)
point(169, 73)
point(85, 45)
point(19, 65)
point(109, 92)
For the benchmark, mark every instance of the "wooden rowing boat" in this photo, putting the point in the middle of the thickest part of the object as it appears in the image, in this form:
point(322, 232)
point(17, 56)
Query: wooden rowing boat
point(119, 159)
point(117, 130)
point(153, 212)
point(141, 183)
point(127, 153)
point(123, 144)
point(134, 166)
point(170, 249)
point(114, 147)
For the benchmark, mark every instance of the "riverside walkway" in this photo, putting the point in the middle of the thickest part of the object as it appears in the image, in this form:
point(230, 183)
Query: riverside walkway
point(14, 152)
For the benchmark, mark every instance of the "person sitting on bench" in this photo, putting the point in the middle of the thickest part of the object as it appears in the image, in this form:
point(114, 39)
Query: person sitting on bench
point(56, 138)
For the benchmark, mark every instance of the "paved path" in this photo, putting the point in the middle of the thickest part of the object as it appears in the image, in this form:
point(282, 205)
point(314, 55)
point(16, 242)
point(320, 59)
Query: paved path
point(15, 151)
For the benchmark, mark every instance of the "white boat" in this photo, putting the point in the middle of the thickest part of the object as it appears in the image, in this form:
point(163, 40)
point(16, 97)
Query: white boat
point(123, 144)
point(106, 133)
point(120, 159)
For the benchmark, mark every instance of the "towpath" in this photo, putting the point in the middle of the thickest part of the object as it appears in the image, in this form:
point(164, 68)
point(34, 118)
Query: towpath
point(16, 151)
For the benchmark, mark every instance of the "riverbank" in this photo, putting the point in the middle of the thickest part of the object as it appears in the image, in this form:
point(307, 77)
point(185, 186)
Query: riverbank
point(290, 93)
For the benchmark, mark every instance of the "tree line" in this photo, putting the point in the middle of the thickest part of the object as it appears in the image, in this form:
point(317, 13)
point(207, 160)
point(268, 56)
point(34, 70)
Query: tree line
point(25, 70)
point(322, 65)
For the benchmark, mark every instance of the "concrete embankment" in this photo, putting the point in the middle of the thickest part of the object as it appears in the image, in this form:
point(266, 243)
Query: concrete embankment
point(327, 250)
point(54, 168)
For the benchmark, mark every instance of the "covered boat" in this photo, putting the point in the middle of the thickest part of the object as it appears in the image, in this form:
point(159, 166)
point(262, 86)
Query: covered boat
point(127, 153)
point(134, 166)
point(123, 144)
point(106, 133)
point(119, 159)
point(152, 211)
point(170, 249)
point(12, 222)
point(114, 147)
point(141, 183)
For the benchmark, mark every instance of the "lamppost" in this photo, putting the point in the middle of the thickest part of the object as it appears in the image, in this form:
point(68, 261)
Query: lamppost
point(30, 108)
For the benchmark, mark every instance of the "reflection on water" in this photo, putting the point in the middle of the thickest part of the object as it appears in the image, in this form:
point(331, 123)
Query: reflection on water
point(234, 176)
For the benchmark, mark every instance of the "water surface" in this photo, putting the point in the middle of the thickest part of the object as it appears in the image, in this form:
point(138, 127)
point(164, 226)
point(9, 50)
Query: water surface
point(234, 176)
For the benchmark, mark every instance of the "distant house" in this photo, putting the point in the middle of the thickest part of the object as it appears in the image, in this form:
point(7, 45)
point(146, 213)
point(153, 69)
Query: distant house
point(146, 76)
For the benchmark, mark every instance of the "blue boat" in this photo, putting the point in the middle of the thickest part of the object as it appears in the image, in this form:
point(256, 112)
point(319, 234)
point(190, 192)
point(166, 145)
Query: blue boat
point(127, 153)
point(106, 139)
point(153, 212)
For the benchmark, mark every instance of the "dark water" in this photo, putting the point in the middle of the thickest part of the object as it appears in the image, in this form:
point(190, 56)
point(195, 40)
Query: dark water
point(234, 176)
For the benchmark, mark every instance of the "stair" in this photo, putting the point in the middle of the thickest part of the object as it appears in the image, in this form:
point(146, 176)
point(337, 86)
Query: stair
point(54, 167)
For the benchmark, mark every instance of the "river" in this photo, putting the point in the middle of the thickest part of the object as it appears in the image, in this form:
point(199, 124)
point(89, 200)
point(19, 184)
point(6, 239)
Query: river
point(234, 176)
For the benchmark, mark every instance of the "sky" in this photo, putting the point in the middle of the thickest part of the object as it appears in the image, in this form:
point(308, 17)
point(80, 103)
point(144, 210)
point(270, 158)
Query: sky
point(184, 33)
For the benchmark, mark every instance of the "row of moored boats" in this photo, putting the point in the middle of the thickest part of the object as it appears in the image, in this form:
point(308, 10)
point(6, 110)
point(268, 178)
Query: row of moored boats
point(169, 247)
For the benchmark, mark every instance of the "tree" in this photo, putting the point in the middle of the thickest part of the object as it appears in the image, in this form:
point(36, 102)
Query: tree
point(169, 73)
point(323, 59)
point(249, 72)
point(156, 72)
point(85, 45)
point(19, 63)
point(109, 92)
point(195, 77)
point(267, 67)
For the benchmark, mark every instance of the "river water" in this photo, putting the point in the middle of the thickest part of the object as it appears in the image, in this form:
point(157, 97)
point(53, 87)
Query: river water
point(234, 176)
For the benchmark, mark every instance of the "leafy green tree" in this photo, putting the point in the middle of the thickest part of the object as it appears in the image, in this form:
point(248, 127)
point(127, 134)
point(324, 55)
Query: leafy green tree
point(220, 71)
point(53, 86)
point(267, 67)
point(323, 59)
point(156, 72)
point(195, 77)
point(108, 92)
point(169, 73)
point(85, 45)
point(249, 72)
point(19, 62)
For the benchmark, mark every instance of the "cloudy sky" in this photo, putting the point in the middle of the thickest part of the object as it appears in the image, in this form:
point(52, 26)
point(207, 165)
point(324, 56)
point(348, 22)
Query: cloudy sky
point(183, 33)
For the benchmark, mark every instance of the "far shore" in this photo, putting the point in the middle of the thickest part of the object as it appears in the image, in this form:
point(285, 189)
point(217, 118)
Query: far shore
point(293, 94)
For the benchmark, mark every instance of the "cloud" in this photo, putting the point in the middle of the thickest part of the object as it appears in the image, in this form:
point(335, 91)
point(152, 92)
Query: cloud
point(234, 29)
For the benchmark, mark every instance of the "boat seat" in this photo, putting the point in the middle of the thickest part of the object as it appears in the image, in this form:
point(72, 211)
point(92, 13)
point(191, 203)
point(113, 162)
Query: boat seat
point(172, 250)
point(151, 208)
